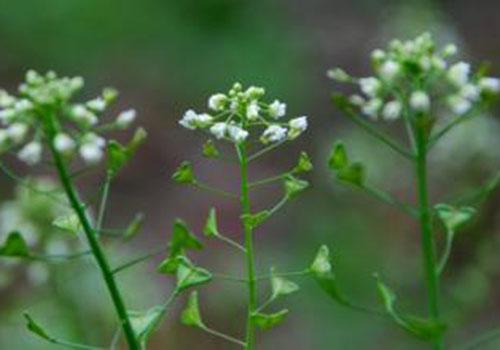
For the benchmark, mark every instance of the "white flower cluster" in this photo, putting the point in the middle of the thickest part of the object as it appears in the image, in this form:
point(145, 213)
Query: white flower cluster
point(233, 115)
point(413, 76)
point(26, 118)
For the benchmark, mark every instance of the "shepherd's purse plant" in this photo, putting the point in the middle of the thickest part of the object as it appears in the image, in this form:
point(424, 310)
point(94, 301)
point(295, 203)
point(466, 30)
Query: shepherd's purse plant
point(414, 84)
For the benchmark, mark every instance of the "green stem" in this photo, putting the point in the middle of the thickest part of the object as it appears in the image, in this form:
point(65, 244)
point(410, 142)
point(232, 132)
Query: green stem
point(91, 236)
point(252, 291)
point(103, 204)
point(428, 244)
point(446, 252)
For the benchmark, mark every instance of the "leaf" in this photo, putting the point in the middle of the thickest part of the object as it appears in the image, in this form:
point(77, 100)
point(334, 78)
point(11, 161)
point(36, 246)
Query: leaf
point(184, 173)
point(342, 102)
point(453, 218)
point(421, 328)
point(145, 322)
point(281, 286)
point(338, 158)
point(268, 321)
point(322, 272)
point(294, 186)
point(69, 222)
point(135, 226)
point(254, 220)
point(169, 265)
point(190, 316)
point(119, 155)
point(36, 328)
point(304, 164)
point(209, 149)
point(353, 174)
point(211, 229)
point(189, 275)
point(183, 238)
point(14, 246)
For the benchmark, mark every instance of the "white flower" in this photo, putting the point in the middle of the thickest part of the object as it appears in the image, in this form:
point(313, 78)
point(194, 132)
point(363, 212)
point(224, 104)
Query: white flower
point(126, 118)
point(370, 86)
point(458, 74)
point(459, 105)
point(438, 63)
point(253, 111)
point(63, 143)
point(203, 120)
point(357, 100)
point(7, 115)
point(219, 130)
point(372, 107)
point(97, 104)
point(489, 84)
point(392, 110)
point(189, 120)
point(378, 55)
point(17, 132)
point(470, 92)
point(94, 138)
point(23, 105)
point(254, 92)
point(389, 70)
point(277, 109)
point(91, 152)
point(420, 101)
point(297, 126)
point(450, 50)
point(274, 133)
point(6, 100)
point(217, 102)
point(31, 153)
point(236, 134)
point(82, 114)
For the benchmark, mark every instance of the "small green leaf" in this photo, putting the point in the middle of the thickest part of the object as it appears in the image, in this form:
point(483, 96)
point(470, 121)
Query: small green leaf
point(353, 174)
point(191, 316)
point(69, 222)
point(36, 328)
point(268, 321)
point(14, 246)
point(281, 286)
point(145, 322)
point(294, 186)
point(183, 238)
point(421, 328)
point(209, 149)
point(135, 226)
point(254, 220)
point(211, 229)
point(304, 164)
point(453, 218)
point(342, 102)
point(338, 158)
point(169, 265)
point(119, 155)
point(184, 174)
point(189, 275)
point(323, 274)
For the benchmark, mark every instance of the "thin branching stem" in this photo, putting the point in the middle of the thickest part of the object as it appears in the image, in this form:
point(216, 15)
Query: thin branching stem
point(265, 150)
point(231, 242)
point(446, 253)
point(222, 335)
point(389, 199)
point(218, 191)
point(103, 203)
point(138, 260)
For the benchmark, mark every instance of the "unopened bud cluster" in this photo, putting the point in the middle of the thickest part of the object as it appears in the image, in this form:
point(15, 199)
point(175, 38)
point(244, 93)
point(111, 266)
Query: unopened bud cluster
point(414, 77)
point(235, 115)
point(24, 118)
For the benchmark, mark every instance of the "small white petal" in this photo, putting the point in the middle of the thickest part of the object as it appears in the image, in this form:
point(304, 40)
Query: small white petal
point(274, 133)
point(277, 109)
point(489, 84)
point(64, 143)
point(17, 132)
point(392, 110)
point(91, 153)
point(420, 101)
point(217, 102)
point(126, 118)
point(219, 130)
point(458, 74)
point(370, 86)
point(31, 153)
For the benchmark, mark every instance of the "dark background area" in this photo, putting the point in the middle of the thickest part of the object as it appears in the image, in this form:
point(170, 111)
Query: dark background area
point(167, 56)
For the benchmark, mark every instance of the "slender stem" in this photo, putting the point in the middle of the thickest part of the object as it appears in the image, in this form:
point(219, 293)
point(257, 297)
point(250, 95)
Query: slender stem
point(232, 243)
point(428, 244)
point(55, 257)
point(91, 236)
point(278, 205)
point(387, 198)
point(137, 261)
point(446, 252)
point(379, 135)
point(268, 180)
point(250, 259)
point(103, 204)
point(225, 277)
point(264, 151)
point(284, 274)
point(483, 339)
point(222, 335)
point(218, 191)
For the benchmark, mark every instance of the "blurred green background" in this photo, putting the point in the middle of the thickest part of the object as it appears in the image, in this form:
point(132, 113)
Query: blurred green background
point(168, 56)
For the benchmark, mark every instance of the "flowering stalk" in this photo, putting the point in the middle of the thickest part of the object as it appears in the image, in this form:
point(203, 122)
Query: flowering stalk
point(413, 83)
point(238, 116)
point(44, 110)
